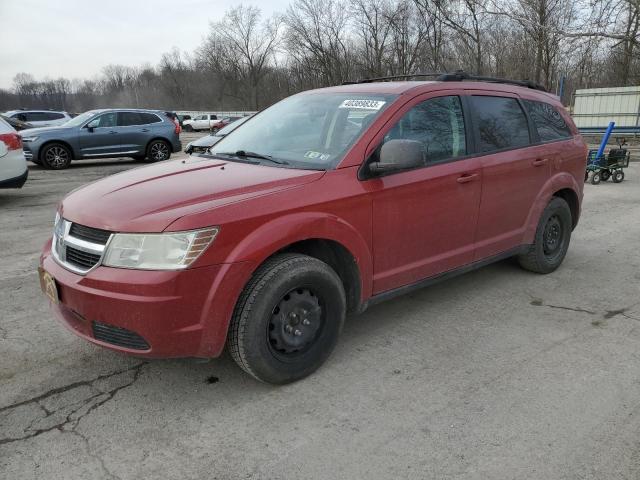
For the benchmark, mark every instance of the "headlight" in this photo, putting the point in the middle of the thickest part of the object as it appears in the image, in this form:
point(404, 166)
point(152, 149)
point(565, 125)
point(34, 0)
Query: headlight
point(33, 138)
point(157, 251)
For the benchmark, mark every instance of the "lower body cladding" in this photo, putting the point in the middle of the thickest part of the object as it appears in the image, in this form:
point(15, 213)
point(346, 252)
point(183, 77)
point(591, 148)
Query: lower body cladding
point(156, 314)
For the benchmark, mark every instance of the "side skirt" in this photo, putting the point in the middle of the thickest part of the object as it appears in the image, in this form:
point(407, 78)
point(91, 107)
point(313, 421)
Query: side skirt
point(396, 292)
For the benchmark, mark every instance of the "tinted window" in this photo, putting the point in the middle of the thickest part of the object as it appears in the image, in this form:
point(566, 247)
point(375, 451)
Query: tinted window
point(35, 117)
point(104, 120)
point(148, 118)
point(501, 123)
point(438, 124)
point(548, 121)
point(126, 119)
point(52, 116)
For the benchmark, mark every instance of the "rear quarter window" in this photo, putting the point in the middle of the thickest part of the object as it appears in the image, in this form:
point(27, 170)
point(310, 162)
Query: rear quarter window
point(500, 122)
point(548, 121)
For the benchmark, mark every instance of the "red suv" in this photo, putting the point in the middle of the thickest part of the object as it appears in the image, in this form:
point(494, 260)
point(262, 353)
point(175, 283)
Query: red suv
point(321, 205)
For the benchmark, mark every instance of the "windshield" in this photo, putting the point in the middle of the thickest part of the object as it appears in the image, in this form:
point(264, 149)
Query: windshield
point(312, 130)
point(231, 127)
point(80, 119)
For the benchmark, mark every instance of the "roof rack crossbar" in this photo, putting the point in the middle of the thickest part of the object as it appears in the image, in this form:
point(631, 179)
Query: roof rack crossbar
point(457, 76)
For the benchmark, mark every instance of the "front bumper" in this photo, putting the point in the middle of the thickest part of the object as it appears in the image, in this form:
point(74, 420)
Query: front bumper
point(157, 314)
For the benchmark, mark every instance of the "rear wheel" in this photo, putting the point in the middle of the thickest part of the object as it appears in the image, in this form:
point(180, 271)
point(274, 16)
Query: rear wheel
point(158, 150)
point(605, 175)
point(618, 176)
point(55, 156)
point(552, 238)
point(287, 319)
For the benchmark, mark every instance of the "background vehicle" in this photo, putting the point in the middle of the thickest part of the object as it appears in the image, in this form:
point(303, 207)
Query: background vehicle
point(140, 134)
point(182, 118)
point(325, 203)
point(200, 122)
point(13, 166)
point(40, 118)
point(16, 124)
point(223, 122)
point(205, 143)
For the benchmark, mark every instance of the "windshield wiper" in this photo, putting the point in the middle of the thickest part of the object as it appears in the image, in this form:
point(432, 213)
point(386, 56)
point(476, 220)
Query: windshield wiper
point(245, 154)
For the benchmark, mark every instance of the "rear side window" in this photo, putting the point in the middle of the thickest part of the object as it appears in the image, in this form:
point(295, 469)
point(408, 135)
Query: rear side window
point(438, 124)
point(127, 119)
point(501, 123)
point(53, 116)
point(548, 121)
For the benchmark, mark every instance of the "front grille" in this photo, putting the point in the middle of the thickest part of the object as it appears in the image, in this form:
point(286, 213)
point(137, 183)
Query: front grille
point(119, 336)
point(94, 235)
point(81, 259)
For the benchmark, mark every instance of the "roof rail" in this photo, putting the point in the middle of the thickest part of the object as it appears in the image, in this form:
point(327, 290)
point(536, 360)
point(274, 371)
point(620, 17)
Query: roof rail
point(461, 75)
point(457, 76)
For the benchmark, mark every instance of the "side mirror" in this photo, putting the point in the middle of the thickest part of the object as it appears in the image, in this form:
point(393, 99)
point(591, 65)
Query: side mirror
point(91, 126)
point(397, 155)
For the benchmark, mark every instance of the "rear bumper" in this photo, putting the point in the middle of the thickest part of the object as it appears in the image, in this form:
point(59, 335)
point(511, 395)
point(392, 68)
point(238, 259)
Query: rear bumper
point(16, 182)
point(148, 313)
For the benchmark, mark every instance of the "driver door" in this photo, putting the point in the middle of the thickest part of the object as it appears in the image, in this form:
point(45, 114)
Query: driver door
point(100, 136)
point(424, 220)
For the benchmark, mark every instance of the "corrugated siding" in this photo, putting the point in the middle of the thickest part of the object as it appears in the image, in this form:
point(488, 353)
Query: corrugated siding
point(596, 107)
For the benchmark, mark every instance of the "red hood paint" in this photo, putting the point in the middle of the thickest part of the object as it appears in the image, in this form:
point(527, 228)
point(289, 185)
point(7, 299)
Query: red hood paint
point(149, 199)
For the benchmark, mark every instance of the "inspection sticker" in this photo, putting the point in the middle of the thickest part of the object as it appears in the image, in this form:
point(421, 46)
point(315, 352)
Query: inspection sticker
point(321, 156)
point(363, 104)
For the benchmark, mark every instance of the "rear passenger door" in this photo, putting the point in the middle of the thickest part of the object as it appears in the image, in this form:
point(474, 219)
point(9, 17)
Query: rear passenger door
point(135, 129)
point(424, 219)
point(513, 170)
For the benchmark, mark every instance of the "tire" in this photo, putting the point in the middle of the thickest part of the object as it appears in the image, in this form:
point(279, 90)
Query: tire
point(158, 150)
point(188, 128)
point(287, 319)
point(618, 176)
point(586, 176)
point(139, 158)
point(55, 156)
point(595, 178)
point(551, 240)
point(605, 175)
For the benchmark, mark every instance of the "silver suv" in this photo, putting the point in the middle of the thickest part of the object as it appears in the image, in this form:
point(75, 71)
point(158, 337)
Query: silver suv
point(151, 135)
point(39, 118)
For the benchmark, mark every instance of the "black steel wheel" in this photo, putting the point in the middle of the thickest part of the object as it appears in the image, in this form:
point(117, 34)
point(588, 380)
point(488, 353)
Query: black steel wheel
point(158, 150)
point(55, 156)
point(605, 174)
point(287, 319)
point(618, 176)
point(595, 178)
point(551, 240)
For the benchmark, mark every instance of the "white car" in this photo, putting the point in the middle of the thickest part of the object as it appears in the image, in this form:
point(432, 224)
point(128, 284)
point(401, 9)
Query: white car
point(40, 118)
point(200, 122)
point(13, 166)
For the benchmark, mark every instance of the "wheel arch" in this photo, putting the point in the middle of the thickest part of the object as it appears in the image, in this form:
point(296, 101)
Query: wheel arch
point(62, 142)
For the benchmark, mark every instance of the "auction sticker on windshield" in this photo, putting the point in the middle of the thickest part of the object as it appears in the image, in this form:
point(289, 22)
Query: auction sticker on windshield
point(363, 104)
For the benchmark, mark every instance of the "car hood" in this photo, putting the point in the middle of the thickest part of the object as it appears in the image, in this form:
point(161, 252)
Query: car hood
point(149, 199)
point(208, 141)
point(30, 132)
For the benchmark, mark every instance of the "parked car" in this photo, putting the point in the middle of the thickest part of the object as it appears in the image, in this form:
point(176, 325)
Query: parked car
point(13, 166)
point(223, 122)
point(39, 118)
point(200, 122)
point(141, 134)
point(323, 204)
point(182, 118)
point(16, 124)
point(203, 144)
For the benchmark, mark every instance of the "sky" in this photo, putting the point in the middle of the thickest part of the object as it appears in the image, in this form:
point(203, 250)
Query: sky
point(77, 38)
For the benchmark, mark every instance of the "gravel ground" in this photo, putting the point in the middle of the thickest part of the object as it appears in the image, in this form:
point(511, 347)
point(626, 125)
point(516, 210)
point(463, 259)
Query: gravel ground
point(497, 374)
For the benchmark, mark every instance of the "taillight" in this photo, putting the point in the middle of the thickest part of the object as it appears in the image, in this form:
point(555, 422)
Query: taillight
point(178, 127)
point(13, 141)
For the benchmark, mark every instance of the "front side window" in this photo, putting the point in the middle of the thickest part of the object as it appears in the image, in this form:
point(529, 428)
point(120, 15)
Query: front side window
point(104, 120)
point(437, 123)
point(311, 130)
point(501, 123)
point(547, 120)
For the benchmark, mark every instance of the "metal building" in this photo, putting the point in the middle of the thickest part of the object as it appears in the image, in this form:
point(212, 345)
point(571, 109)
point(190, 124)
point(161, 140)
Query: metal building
point(594, 108)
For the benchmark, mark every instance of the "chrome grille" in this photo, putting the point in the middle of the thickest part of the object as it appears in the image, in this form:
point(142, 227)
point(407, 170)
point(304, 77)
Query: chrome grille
point(77, 247)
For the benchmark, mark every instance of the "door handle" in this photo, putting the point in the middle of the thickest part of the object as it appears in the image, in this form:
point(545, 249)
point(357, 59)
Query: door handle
point(144, 130)
point(538, 162)
point(112, 132)
point(468, 177)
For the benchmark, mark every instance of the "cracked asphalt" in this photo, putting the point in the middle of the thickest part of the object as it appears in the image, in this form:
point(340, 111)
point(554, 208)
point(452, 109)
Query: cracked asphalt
point(498, 374)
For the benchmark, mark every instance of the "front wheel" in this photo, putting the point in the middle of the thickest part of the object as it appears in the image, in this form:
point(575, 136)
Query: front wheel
point(551, 240)
point(158, 150)
point(287, 319)
point(618, 176)
point(55, 156)
point(605, 175)
point(595, 178)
